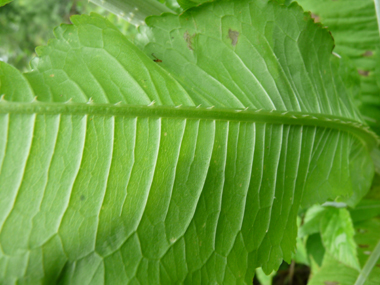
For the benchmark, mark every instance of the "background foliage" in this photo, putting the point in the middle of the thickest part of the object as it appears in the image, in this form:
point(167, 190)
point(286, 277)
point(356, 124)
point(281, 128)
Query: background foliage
point(26, 24)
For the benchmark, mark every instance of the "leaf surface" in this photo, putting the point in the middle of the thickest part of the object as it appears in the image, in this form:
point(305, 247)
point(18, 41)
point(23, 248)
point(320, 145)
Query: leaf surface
point(334, 272)
point(356, 34)
point(93, 192)
point(4, 2)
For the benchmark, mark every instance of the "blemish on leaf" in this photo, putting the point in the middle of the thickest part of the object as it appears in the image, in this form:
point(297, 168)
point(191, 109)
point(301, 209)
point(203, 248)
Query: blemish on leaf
point(156, 59)
point(51, 75)
point(367, 252)
point(315, 17)
point(234, 36)
point(331, 282)
point(189, 40)
point(363, 245)
point(363, 72)
point(367, 53)
point(82, 197)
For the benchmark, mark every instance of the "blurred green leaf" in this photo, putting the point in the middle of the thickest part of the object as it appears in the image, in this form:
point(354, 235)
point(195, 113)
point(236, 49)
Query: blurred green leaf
point(315, 248)
point(311, 222)
point(334, 272)
point(336, 230)
point(133, 11)
point(263, 278)
point(4, 2)
point(365, 210)
point(337, 234)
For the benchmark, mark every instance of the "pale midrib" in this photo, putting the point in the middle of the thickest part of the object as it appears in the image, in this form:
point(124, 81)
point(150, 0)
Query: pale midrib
point(361, 131)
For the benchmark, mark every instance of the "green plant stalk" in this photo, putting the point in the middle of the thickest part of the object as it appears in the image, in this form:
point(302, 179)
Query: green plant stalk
point(363, 132)
point(373, 258)
point(133, 11)
point(377, 7)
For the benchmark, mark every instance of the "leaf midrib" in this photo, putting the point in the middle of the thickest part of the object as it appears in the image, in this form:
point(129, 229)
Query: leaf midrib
point(361, 131)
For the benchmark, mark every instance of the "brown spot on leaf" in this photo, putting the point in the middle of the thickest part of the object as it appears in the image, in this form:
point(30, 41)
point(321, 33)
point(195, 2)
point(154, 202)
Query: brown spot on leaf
point(368, 53)
point(331, 282)
point(363, 72)
point(156, 59)
point(315, 17)
point(234, 36)
point(363, 245)
point(51, 75)
point(189, 40)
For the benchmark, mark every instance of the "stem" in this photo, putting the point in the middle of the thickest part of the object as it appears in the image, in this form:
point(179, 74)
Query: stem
point(363, 133)
point(377, 7)
point(133, 11)
point(375, 255)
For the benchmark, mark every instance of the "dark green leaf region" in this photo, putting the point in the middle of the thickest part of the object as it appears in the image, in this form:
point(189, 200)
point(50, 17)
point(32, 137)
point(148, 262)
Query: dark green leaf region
point(183, 159)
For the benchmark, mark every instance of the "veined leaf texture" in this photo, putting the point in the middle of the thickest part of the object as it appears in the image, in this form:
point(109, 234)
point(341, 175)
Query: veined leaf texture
point(196, 176)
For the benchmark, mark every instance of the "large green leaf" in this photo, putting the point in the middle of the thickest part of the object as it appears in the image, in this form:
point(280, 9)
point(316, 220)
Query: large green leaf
point(168, 192)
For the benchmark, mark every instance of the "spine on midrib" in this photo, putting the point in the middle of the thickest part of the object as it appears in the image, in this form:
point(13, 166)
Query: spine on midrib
point(363, 132)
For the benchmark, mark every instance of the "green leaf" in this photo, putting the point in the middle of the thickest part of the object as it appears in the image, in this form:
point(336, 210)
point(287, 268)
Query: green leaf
point(355, 30)
point(336, 230)
point(263, 278)
point(315, 248)
point(300, 256)
point(94, 192)
point(337, 233)
point(365, 210)
point(186, 4)
point(4, 2)
point(311, 222)
point(334, 272)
